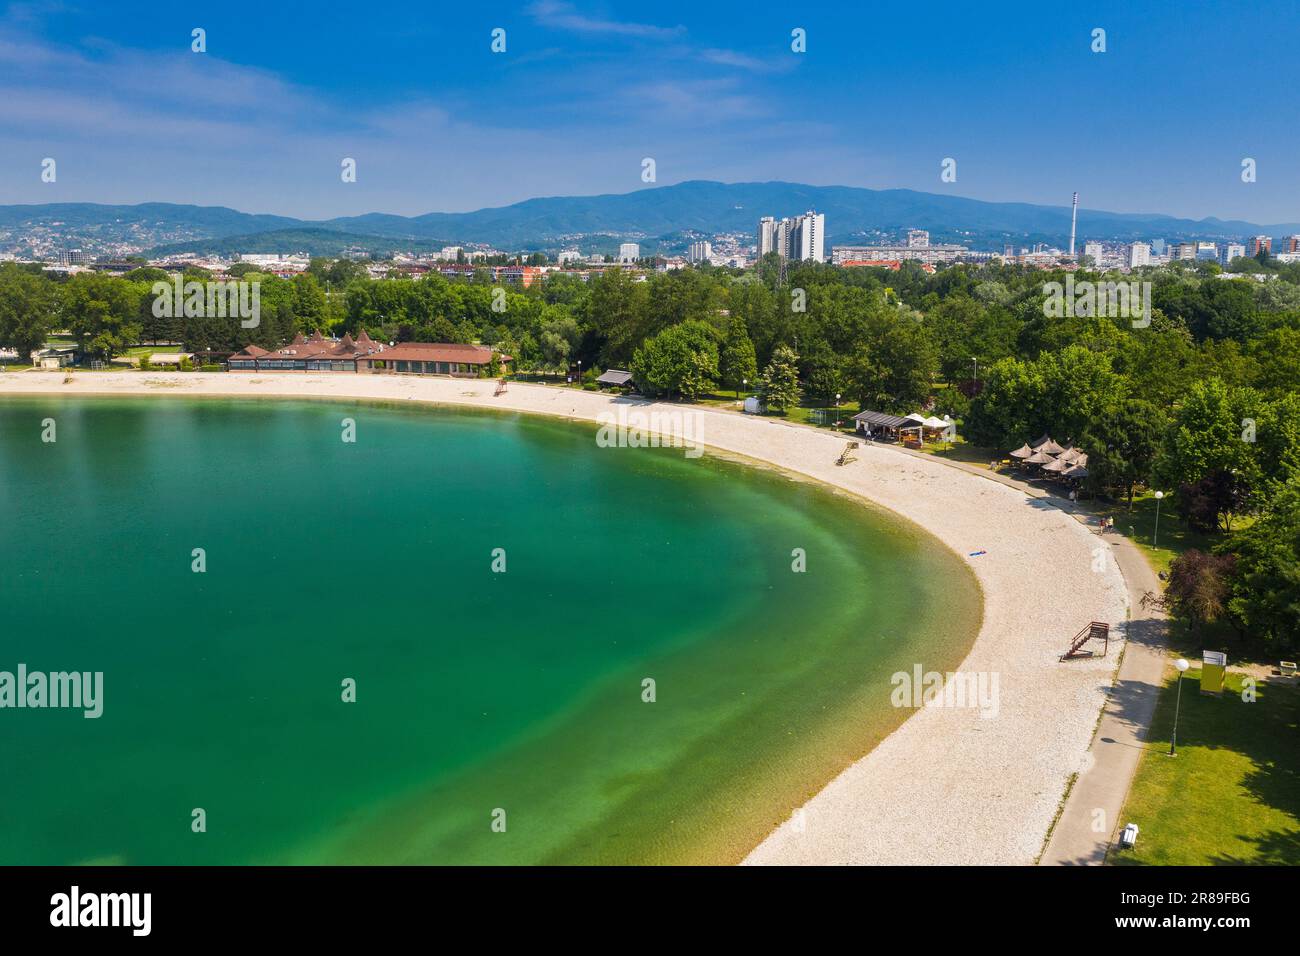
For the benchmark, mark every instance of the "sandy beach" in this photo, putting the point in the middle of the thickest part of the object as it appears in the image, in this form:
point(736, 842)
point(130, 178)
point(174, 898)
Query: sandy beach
point(951, 785)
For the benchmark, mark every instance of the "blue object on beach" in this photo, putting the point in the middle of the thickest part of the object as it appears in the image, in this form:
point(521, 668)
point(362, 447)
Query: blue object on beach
point(975, 554)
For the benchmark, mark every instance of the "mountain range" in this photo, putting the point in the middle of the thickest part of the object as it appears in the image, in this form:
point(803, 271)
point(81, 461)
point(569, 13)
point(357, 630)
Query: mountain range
point(662, 219)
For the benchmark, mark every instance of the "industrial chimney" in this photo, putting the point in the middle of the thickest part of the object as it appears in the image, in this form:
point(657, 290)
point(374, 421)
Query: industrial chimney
point(1074, 221)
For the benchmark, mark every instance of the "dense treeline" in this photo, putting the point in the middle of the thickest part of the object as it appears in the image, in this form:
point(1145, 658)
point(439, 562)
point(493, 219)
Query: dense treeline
point(1200, 397)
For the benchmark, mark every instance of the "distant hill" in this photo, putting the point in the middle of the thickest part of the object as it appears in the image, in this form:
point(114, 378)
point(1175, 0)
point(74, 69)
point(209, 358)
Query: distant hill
point(313, 241)
point(658, 217)
point(214, 220)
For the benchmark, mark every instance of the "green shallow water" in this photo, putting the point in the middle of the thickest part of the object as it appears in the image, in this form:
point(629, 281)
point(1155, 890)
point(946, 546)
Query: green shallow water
point(476, 691)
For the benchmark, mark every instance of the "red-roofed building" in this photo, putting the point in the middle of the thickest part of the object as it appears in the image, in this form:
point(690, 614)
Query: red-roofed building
point(363, 354)
point(424, 358)
point(315, 354)
point(894, 264)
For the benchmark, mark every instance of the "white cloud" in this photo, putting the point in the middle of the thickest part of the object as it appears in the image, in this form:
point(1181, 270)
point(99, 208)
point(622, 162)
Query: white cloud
point(563, 16)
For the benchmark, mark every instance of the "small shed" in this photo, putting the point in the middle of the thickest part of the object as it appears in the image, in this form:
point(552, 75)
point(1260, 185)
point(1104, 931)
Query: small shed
point(874, 424)
point(56, 356)
point(614, 378)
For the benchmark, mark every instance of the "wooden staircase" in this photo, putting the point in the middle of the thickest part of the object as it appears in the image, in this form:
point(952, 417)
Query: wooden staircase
point(1095, 630)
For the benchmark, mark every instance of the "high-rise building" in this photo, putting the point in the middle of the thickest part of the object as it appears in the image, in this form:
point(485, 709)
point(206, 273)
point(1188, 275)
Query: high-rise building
point(629, 252)
point(1206, 252)
point(807, 237)
point(1157, 247)
point(1260, 242)
point(1139, 254)
point(1232, 250)
point(917, 238)
point(1291, 244)
point(700, 251)
point(1093, 251)
point(1182, 250)
point(799, 238)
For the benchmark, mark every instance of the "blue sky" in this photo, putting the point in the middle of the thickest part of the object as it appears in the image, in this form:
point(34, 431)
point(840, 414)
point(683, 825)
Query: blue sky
point(1160, 122)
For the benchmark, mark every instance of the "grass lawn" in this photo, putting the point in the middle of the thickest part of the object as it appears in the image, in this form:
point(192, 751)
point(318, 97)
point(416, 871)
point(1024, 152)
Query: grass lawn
point(1140, 525)
point(821, 416)
point(1232, 795)
point(963, 451)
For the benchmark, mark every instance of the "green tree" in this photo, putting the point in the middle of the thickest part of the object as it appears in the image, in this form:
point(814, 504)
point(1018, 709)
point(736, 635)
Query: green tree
point(1122, 444)
point(737, 363)
point(1265, 586)
point(778, 388)
point(682, 360)
point(1209, 447)
point(28, 304)
point(102, 312)
point(893, 368)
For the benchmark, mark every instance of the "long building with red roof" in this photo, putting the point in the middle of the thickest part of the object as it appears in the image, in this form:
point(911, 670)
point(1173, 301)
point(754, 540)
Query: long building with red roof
point(363, 354)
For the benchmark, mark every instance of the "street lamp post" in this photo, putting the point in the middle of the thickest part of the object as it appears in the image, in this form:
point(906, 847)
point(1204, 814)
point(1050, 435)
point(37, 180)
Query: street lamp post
point(975, 382)
point(837, 410)
point(1155, 535)
point(1182, 666)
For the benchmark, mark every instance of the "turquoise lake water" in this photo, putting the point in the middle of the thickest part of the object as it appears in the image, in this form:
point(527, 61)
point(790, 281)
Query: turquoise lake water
point(480, 696)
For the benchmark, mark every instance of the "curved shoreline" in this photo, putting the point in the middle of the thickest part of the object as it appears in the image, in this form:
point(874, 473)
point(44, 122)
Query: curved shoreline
point(947, 786)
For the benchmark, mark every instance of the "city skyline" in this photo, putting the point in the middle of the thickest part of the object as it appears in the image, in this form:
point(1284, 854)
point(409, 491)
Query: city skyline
point(436, 121)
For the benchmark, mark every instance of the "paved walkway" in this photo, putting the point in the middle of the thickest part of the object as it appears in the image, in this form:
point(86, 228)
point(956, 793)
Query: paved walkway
point(1090, 819)
point(1091, 816)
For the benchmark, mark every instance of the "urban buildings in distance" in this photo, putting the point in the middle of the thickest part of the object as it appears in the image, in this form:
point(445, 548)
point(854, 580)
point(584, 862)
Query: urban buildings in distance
point(799, 238)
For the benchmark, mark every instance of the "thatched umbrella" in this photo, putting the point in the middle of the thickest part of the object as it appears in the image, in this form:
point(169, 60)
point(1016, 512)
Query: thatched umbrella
point(1051, 447)
point(1081, 458)
point(1070, 454)
point(1076, 471)
point(1039, 458)
point(1041, 441)
point(1024, 451)
point(1056, 465)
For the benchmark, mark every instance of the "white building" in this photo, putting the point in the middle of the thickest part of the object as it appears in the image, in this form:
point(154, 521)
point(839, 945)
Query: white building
point(1233, 250)
point(1139, 254)
point(808, 236)
point(1094, 251)
point(766, 236)
point(799, 238)
point(925, 254)
point(275, 261)
point(917, 238)
point(700, 252)
point(629, 252)
point(568, 255)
